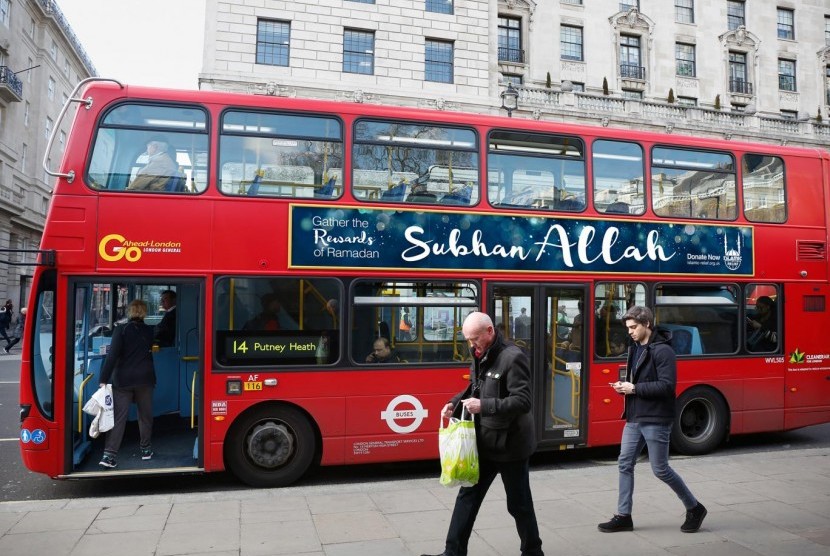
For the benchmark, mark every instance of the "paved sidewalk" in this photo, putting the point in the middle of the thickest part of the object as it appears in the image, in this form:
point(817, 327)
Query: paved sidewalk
point(773, 504)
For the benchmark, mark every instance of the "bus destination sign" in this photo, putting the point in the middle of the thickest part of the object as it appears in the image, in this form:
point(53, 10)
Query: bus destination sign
point(286, 347)
point(353, 237)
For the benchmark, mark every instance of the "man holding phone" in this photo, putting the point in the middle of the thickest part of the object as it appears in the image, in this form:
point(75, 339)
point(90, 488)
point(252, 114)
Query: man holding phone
point(649, 390)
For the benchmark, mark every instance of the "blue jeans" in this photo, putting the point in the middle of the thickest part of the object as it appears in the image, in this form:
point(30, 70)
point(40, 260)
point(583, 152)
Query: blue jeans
point(656, 436)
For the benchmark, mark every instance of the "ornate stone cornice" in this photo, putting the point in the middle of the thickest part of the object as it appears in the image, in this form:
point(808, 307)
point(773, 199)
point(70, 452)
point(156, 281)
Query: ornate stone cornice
point(527, 6)
point(740, 38)
point(632, 20)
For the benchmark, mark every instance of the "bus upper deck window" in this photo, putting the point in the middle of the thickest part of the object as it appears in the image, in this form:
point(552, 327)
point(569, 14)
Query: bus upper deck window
point(150, 148)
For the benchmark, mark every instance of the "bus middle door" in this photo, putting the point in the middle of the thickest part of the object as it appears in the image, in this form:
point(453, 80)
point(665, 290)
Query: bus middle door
point(546, 322)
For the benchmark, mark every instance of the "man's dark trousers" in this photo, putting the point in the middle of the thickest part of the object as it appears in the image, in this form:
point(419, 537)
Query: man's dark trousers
point(516, 478)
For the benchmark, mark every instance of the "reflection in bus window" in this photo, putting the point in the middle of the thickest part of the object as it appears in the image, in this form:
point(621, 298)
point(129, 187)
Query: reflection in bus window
point(43, 340)
point(277, 321)
point(534, 171)
point(763, 188)
point(613, 299)
point(618, 177)
point(703, 319)
point(142, 147)
point(277, 155)
point(693, 184)
point(762, 332)
point(408, 163)
point(435, 312)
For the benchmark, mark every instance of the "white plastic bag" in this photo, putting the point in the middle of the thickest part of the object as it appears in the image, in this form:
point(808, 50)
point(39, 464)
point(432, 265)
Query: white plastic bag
point(459, 454)
point(101, 407)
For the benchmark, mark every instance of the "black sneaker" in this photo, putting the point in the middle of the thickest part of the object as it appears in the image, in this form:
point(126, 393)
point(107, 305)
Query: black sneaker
point(694, 518)
point(616, 524)
point(146, 453)
point(108, 462)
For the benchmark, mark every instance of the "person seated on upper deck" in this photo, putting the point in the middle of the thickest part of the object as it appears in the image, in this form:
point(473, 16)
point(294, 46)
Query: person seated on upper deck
point(156, 174)
point(382, 352)
point(419, 194)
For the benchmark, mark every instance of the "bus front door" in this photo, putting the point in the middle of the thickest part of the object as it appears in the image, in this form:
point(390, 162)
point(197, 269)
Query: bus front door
point(546, 322)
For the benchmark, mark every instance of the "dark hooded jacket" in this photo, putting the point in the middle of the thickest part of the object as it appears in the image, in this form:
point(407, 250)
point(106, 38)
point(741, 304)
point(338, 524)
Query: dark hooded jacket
point(501, 380)
point(654, 376)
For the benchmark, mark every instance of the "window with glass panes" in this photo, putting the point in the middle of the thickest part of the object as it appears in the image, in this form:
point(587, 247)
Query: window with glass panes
point(737, 72)
point(272, 42)
point(684, 55)
point(684, 11)
point(358, 51)
point(510, 39)
point(786, 24)
point(735, 14)
point(439, 61)
point(786, 75)
point(626, 5)
point(570, 41)
point(630, 66)
point(511, 78)
point(439, 6)
point(827, 30)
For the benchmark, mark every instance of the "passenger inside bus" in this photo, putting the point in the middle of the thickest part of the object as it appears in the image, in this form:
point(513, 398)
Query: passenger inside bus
point(382, 352)
point(272, 316)
point(420, 194)
point(165, 332)
point(763, 326)
point(160, 169)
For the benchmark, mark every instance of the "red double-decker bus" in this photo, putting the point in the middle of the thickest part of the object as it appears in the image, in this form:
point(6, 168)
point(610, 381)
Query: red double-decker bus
point(297, 233)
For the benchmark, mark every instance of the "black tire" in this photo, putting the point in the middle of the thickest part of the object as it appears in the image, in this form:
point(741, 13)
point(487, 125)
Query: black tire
point(701, 423)
point(270, 446)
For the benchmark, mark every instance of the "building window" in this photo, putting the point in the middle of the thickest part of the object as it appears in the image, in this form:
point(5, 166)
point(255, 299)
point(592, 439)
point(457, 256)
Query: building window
point(26, 114)
point(511, 78)
point(272, 42)
point(363, 1)
point(62, 140)
point(29, 73)
point(50, 89)
point(23, 152)
point(5, 9)
point(53, 51)
point(630, 94)
point(66, 66)
point(789, 115)
point(827, 30)
point(575, 2)
point(439, 61)
point(626, 5)
point(578, 87)
point(684, 11)
point(827, 85)
point(32, 27)
point(358, 51)
point(440, 6)
point(48, 128)
point(786, 75)
point(510, 40)
point(786, 24)
point(684, 55)
point(630, 66)
point(570, 42)
point(735, 14)
point(686, 101)
point(738, 82)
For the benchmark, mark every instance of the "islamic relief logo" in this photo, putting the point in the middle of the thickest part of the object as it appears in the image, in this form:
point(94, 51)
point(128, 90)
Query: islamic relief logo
point(732, 257)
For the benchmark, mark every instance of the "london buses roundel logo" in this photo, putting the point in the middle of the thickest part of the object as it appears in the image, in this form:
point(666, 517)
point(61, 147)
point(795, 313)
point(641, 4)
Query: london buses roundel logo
point(414, 413)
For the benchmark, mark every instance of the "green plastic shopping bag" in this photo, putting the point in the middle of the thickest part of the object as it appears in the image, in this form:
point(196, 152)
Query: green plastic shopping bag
point(459, 455)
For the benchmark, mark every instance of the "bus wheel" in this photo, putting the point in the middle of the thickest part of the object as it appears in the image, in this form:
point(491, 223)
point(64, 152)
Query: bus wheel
point(701, 422)
point(270, 447)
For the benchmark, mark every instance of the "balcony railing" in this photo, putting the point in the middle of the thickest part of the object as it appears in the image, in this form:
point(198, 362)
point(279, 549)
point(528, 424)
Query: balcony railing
point(741, 86)
point(630, 71)
point(514, 55)
point(11, 83)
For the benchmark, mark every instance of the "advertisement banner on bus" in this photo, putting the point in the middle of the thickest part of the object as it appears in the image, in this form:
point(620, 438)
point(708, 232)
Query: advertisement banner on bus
point(352, 237)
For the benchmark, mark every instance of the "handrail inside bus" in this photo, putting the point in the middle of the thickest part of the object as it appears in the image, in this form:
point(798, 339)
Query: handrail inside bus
point(70, 176)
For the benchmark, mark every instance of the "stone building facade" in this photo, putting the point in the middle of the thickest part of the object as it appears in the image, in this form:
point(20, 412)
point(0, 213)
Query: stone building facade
point(41, 61)
point(740, 69)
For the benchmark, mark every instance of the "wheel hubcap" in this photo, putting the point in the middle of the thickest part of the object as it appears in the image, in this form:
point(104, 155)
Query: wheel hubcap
point(270, 445)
